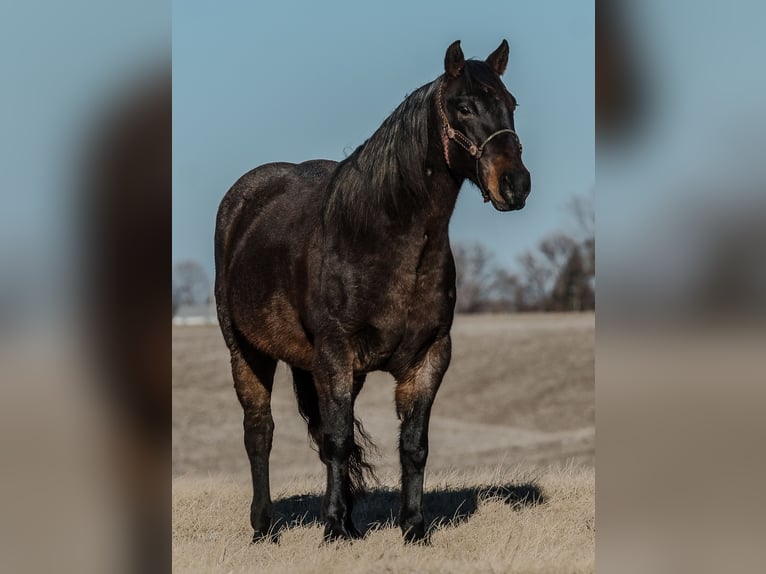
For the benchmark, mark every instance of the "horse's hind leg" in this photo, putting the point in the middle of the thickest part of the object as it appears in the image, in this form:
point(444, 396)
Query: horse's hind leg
point(415, 392)
point(253, 380)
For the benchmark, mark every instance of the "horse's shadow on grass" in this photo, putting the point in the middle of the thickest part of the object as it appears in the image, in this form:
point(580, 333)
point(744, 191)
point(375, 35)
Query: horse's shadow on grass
point(379, 507)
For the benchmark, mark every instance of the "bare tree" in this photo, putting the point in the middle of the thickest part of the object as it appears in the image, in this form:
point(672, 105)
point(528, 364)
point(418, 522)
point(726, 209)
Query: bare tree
point(537, 275)
point(582, 209)
point(509, 292)
point(558, 276)
point(556, 248)
point(572, 290)
point(191, 285)
point(584, 212)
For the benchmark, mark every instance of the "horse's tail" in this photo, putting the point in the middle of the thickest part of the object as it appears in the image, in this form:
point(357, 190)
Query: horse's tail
point(360, 468)
point(361, 471)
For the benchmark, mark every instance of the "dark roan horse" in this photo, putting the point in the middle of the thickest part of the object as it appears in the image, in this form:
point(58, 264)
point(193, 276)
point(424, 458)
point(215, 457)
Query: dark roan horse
point(342, 268)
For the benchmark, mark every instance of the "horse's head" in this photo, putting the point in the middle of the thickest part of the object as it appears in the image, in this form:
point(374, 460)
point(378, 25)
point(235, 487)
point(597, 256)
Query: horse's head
point(478, 134)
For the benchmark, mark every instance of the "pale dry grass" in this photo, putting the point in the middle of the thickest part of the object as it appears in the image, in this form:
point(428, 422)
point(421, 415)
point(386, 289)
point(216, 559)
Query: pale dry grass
point(552, 530)
point(519, 392)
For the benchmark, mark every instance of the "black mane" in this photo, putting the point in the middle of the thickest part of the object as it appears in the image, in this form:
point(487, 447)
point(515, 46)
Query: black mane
point(387, 172)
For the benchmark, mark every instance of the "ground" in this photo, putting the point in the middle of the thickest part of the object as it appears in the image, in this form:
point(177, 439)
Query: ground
point(510, 479)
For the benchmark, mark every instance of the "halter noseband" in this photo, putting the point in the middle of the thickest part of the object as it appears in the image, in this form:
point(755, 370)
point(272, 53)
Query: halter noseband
point(450, 133)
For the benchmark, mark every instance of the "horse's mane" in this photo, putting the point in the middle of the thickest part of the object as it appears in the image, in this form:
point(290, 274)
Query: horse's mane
point(387, 172)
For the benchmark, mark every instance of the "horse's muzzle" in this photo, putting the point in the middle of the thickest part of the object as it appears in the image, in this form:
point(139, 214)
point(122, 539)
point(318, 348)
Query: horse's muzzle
point(514, 188)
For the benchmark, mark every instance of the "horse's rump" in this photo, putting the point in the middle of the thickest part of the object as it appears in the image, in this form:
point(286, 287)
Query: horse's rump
point(255, 218)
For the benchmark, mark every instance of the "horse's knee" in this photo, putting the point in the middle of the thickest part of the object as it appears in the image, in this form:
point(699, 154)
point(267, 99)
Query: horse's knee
point(337, 446)
point(414, 455)
point(259, 431)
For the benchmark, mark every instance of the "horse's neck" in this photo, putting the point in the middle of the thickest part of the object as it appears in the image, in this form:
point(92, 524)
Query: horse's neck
point(429, 215)
point(443, 186)
point(443, 192)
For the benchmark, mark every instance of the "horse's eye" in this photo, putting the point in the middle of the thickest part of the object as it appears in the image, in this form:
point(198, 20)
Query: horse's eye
point(463, 109)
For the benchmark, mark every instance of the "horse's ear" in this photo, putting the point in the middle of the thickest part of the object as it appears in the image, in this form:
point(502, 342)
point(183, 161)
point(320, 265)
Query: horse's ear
point(498, 59)
point(454, 61)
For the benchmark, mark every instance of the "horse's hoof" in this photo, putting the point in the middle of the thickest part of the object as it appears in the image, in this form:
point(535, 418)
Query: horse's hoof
point(353, 532)
point(264, 536)
point(415, 534)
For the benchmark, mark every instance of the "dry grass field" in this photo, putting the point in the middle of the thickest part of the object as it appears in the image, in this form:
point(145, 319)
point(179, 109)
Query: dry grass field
point(510, 478)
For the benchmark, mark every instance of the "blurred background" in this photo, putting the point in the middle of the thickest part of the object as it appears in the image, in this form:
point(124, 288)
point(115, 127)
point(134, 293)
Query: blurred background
point(84, 288)
point(680, 117)
point(85, 308)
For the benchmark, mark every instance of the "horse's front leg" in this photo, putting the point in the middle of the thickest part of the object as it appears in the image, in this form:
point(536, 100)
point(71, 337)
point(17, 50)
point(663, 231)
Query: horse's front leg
point(415, 392)
point(334, 380)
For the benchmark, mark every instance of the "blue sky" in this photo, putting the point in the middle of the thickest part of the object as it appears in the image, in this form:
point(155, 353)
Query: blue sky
point(291, 81)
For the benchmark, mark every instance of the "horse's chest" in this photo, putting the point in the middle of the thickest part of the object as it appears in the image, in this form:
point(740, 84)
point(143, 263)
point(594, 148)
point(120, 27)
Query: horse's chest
point(386, 305)
point(412, 308)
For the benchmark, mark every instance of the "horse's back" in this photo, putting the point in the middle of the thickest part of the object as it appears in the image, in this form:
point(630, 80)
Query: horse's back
point(247, 198)
point(254, 253)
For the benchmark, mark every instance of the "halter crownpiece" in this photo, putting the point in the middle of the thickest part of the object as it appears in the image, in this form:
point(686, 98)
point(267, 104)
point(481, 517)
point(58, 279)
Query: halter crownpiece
point(450, 133)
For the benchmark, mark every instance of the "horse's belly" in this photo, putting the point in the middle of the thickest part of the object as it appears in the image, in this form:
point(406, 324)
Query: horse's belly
point(395, 348)
point(274, 328)
point(374, 346)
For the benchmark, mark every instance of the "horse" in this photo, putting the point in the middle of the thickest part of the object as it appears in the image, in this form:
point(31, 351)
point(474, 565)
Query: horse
point(343, 268)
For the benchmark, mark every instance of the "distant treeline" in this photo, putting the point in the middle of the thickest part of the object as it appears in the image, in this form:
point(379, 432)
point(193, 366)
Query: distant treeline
point(559, 275)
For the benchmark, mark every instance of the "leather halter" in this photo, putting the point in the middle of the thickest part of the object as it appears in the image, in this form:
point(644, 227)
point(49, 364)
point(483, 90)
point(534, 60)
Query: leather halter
point(450, 133)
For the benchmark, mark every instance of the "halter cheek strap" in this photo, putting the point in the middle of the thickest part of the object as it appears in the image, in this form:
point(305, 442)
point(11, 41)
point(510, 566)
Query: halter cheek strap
point(450, 133)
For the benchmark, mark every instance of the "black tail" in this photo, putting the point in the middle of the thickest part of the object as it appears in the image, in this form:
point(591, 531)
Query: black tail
point(360, 469)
